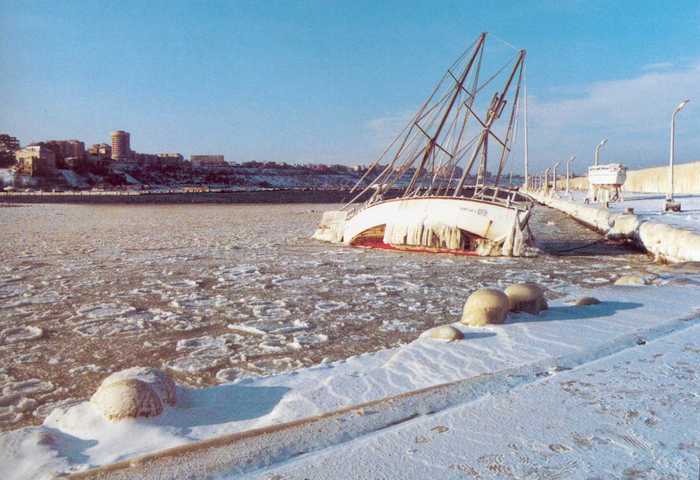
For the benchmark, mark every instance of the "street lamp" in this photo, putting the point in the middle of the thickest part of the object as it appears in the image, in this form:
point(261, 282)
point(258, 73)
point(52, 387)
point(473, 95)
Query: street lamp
point(568, 168)
point(670, 205)
point(554, 168)
point(597, 150)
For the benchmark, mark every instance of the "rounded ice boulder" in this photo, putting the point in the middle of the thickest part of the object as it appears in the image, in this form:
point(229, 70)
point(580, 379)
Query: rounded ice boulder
point(526, 297)
point(583, 301)
point(485, 306)
point(128, 398)
point(446, 332)
point(158, 380)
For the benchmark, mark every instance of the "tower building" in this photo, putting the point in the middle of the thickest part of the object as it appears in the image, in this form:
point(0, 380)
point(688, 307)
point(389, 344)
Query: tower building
point(121, 146)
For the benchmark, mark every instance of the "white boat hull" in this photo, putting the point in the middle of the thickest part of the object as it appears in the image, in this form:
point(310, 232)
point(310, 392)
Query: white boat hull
point(456, 225)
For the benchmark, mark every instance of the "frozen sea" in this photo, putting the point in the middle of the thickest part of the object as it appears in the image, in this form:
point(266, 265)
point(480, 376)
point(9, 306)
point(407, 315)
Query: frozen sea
point(216, 293)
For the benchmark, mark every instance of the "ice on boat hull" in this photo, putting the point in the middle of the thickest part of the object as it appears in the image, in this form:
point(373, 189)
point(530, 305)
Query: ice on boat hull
point(435, 224)
point(331, 227)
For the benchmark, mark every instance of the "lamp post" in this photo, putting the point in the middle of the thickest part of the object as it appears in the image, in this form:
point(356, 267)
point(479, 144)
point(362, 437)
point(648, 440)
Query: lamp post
point(568, 168)
point(554, 169)
point(669, 197)
point(597, 150)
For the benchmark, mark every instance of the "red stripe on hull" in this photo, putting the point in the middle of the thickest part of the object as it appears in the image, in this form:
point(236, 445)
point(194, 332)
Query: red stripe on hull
point(379, 244)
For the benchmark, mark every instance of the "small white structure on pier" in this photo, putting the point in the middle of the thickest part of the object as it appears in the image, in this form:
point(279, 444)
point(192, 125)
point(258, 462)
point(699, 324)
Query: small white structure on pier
point(605, 182)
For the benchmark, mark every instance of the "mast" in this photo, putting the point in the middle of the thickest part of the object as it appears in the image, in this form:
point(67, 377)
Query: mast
point(527, 178)
point(431, 144)
point(494, 112)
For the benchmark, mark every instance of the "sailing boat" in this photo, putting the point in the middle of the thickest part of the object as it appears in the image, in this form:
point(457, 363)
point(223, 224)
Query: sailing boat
point(423, 199)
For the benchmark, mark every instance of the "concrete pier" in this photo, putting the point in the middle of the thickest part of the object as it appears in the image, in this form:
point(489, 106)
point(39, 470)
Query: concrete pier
point(665, 242)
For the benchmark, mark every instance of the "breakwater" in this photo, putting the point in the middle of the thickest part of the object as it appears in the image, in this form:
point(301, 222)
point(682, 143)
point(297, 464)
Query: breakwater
point(664, 242)
point(686, 180)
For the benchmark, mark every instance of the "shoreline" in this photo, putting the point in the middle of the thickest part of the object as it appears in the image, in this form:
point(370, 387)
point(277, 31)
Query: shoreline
point(276, 196)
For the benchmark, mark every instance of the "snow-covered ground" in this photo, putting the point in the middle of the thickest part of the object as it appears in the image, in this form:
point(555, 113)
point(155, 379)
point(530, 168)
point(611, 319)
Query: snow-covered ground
point(601, 390)
point(631, 415)
point(650, 206)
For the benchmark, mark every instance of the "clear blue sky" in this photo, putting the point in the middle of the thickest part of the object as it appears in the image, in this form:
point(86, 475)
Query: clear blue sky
point(317, 81)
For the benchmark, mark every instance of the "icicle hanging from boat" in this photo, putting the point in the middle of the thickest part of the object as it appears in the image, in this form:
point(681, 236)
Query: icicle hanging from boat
point(424, 235)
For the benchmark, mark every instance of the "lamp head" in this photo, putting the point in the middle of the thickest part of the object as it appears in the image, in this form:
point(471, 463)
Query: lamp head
point(603, 142)
point(681, 105)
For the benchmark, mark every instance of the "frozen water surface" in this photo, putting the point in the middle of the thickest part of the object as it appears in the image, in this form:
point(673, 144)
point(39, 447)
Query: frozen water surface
point(216, 293)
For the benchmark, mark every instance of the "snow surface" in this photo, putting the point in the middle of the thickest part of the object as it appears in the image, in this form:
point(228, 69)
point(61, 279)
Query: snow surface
point(631, 415)
point(76, 437)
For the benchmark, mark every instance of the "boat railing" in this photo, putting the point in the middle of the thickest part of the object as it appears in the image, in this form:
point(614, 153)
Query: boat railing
point(504, 196)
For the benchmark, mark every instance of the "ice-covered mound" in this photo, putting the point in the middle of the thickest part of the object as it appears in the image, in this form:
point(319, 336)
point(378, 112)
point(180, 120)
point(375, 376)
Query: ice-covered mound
point(526, 297)
point(159, 381)
point(446, 332)
point(584, 301)
point(135, 392)
point(485, 306)
point(127, 398)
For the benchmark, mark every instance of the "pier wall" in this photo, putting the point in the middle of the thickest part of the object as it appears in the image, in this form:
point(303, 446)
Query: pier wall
point(664, 242)
point(652, 180)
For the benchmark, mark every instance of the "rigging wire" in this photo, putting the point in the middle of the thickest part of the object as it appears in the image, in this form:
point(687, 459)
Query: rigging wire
point(496, 37)
point(445, 149)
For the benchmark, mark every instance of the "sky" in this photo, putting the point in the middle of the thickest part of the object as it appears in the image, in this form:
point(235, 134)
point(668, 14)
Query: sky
point(324, 81)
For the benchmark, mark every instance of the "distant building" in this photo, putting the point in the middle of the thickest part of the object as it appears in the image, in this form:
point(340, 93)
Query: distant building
point(171, 160)
point(36, 160)
point(102, 150)
point(8, 143)
point(67, 148)
point(208, 162)
point(121, 146)
point(447, 171)
point(99, 155)
point(8, 146)
point(147, 160)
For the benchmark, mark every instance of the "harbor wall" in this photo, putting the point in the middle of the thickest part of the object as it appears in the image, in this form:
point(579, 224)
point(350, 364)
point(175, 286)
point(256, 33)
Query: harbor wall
point(664, 242)
point(652, 180)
